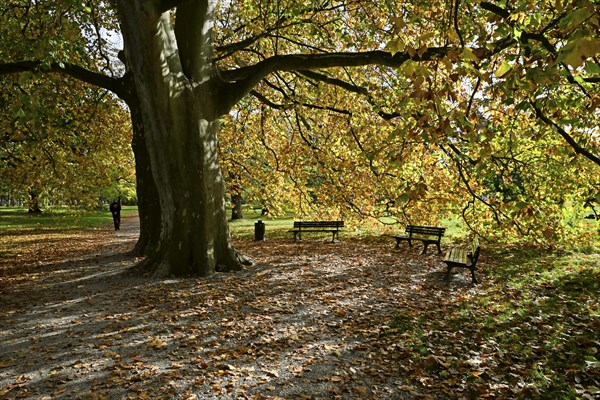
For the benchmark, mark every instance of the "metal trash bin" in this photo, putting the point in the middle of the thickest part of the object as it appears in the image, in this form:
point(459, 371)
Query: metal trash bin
point(259, 231)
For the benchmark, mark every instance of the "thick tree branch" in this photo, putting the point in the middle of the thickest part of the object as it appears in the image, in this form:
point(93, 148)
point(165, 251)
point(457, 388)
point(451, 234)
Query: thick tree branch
point(297, 62)
point(334, 81)
point(242, 80)
point(166, 5)
point(93, 78)
point(572, 142)
point(495, 9)
point(194, 30)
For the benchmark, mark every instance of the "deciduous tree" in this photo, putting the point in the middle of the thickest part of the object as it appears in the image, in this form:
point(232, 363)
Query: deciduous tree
point(428, 67)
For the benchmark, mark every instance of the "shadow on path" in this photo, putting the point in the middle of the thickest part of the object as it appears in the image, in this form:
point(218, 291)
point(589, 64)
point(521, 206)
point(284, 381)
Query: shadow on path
point(308, 321)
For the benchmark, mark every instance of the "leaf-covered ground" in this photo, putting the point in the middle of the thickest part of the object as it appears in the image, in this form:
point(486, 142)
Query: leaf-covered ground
point(314, 320)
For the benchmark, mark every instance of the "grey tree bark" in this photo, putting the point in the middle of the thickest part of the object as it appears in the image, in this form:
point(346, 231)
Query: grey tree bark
point(179, 94)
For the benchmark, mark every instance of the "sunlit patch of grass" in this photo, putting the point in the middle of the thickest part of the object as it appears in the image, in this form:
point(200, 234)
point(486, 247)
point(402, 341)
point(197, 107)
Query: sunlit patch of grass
point(274, 226)
point(59, 218)
point(455, 230)
point(279, 227)
point(533, 326)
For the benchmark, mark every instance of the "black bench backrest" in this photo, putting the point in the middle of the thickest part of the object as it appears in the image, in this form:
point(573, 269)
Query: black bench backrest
point(318, 224)
point(425, 230)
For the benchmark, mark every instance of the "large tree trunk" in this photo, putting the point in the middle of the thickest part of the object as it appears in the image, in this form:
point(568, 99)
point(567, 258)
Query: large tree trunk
point(148, 204)
point(178, 98)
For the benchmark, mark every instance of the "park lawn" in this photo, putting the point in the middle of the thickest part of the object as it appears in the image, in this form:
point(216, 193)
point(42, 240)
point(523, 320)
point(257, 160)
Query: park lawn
point(529, 330)
point(279, 227)
point(275, 226)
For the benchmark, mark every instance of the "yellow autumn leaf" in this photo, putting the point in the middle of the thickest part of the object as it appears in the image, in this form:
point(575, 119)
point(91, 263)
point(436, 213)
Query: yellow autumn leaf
point(395, 45)
point(157, 343)
point(427, 35)
point(502, 70)
point(468, 55)
point(399, 23)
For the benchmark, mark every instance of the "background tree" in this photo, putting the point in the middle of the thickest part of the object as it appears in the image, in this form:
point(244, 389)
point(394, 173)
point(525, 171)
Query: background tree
point(61, 140)
point(66, 143)
point(453, 106)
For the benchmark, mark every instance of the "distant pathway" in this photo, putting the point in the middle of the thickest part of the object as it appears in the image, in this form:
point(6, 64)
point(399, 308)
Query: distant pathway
point(130, 229)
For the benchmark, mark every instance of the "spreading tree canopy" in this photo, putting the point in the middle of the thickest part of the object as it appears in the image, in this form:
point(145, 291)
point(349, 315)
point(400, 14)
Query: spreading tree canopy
point(62, 140)
point(65, 143)
point(437, 100)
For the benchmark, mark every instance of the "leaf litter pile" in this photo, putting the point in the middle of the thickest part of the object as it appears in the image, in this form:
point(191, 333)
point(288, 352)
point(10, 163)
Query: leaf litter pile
point(311, 320)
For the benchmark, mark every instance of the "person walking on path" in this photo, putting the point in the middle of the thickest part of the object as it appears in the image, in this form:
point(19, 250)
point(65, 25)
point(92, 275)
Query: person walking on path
point(115, 209)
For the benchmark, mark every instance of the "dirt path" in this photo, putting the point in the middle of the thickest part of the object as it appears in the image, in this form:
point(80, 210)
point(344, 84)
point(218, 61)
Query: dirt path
point(310, 320)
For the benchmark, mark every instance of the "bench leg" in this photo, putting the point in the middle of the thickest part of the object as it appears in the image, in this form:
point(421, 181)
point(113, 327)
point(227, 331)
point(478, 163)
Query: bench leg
point(473, 278)
point(297, 236)
point(439, 248)
point(448, 276)
point(397, 244)
point(425, 245)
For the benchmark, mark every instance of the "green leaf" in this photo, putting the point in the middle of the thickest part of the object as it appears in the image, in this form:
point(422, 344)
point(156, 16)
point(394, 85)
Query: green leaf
point(502, 70)
point(576, 52)
point(409, 67)
point(403, 198)
point(468, 55)
point(424, 37)
point(521, 205)
point(575, 18)
point(592, 68)
point(517, 33)
point(524, 105)
point(395, 45)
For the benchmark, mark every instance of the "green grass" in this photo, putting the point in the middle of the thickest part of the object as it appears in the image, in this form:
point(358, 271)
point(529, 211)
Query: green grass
point(274, 227)
point(62, 219)
point(455, 230)
point(278, 227)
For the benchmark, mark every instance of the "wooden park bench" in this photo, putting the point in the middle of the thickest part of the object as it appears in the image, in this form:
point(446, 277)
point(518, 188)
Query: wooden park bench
point(426, 234)
point(463, 258)
point(317, 226)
